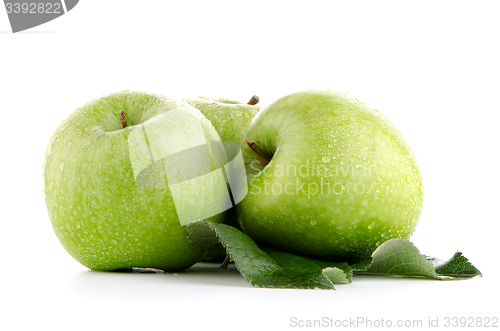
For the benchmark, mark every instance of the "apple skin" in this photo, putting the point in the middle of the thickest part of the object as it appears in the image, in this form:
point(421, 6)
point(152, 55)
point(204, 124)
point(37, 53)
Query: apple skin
point(341, 181)
point(230, 118)
point(99, 214)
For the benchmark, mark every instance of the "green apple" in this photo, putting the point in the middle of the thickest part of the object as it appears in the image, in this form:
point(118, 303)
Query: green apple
point(120, 187)
point(329, 178)
point(230, 118)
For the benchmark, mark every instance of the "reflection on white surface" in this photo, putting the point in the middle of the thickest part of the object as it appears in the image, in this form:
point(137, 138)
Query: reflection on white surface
point(101, 283)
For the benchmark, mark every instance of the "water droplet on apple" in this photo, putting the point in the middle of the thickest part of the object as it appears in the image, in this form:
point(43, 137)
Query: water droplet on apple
point(330, 146)
point(313, 222)
point(408, 179)
point(371, 225)
point(255, 208)
point(392, 162)
point(326, 159)
point(61, 166)
point(113, 242)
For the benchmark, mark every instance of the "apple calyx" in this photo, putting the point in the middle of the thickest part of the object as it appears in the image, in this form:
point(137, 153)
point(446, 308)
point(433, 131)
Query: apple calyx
point(263, 157)
point(123, 119)
point(253, 101)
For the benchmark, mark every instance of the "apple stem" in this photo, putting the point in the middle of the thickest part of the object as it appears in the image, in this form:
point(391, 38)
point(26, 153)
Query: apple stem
point(226, 262)
point(253, 101)
point(123, 119)
point(265, 157)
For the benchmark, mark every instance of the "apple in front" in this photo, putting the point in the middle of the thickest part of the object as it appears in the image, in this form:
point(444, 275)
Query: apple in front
point(329, 178)
point(120, 187)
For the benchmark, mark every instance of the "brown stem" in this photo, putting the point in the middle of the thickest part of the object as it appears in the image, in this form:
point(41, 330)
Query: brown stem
point(253, 101)
point(265, 157)
point(226, 262)
point(123, 119)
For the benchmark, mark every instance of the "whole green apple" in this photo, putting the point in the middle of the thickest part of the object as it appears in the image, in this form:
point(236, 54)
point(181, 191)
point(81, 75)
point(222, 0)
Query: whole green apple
point(120, 187)
point(230, 118)
point(329, 178)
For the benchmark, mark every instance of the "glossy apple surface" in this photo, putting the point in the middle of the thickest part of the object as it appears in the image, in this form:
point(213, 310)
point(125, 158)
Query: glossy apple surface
point(100, 212)
point(230, 118)
point(329, 178)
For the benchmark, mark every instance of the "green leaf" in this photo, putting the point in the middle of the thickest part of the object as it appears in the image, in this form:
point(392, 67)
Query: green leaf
point(268, 267)
point(399, 257)
point(458, 267)
point(362, 265)
point(204, 240)
point(276, 269)
point(254, 264)
point(305, 268)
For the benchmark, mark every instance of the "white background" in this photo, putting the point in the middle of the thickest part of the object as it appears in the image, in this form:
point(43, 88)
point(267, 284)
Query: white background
point(431, 67)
